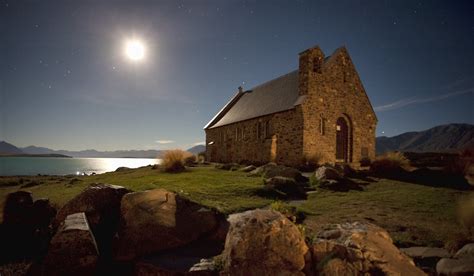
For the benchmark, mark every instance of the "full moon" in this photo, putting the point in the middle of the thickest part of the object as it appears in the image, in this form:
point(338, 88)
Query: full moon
point(134, 50)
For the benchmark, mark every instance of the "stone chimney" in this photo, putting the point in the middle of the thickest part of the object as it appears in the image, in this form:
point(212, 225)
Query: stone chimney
point(241, 90)
point(310, 63)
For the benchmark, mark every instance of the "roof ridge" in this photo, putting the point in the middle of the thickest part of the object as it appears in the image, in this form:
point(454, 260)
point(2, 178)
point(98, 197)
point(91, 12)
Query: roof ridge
point(277, 78)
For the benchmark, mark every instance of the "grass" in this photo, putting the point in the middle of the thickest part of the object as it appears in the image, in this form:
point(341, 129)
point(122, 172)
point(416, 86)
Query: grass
point(413, 214)
point(228, 191)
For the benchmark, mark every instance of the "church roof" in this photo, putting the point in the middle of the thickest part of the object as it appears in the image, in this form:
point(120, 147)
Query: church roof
point(274, 96)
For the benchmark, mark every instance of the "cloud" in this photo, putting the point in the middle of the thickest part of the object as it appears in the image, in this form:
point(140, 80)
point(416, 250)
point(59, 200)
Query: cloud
point(414, 100)
point(164, 141)
point(199, 143)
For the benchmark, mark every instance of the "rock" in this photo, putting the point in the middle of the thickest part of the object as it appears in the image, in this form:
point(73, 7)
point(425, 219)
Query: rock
point(285, 185)
point(263, 242)
point(271, 170)
point(205, 265)
point(426, 257)
point(157, 219)
point(228, 166)
point(25, 232)
point(358, 249)
point(17, 209)
point(101, 204)
point(248, 168)
point(325, 173)
point(461, 264)
point(426, 252)
point(72, 250)
point(467, 251)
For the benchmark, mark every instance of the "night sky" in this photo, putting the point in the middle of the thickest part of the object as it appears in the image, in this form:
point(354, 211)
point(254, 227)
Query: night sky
point(65, 82)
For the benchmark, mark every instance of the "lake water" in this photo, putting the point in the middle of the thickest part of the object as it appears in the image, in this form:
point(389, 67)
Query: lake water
point(63, 166)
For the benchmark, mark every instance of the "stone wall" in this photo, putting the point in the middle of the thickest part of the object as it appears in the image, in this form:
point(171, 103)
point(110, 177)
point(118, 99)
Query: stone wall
point(243, 142)
point(333, 89)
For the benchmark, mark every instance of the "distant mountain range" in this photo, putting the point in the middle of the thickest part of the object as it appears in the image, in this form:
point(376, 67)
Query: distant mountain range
point(9, 149)
point(444, 138)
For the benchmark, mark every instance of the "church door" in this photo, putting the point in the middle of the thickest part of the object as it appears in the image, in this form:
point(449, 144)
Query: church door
point(342, 140)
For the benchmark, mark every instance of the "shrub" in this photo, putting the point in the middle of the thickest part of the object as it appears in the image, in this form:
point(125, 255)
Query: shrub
point(466, 212)
point(174, 160)
point(310, 162)
point(365, 162)
point(313, 181)
point(390, 162)
point(190, 160)
point(462, 163)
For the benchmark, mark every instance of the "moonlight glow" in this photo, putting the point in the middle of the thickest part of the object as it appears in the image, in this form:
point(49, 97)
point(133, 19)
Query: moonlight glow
point(135, 50)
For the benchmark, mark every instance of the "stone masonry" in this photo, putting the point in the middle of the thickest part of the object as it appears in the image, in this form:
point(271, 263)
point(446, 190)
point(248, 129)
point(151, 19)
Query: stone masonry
point(332, 121)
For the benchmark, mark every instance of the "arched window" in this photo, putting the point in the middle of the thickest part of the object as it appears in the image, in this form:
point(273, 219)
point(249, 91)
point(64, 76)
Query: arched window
point(322, 125)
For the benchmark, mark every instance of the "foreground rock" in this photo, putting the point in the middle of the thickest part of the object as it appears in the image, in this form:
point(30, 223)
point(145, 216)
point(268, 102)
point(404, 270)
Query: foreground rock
point(271, 170)
point(157, 219)
point(25, 231)
point(101, 204)
point(426, 257)
point(325, 173)
point(358, 249)
point(263, 242)
point(248, 168)
point(285, 186)
point(461, 264)
point(72, 250)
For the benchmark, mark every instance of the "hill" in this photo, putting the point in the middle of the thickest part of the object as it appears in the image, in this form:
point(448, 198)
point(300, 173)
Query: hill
point(444, 138)
point(6, 148)
point(197, 149)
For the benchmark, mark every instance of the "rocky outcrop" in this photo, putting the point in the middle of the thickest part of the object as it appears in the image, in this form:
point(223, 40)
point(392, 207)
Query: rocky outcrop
point(271, 170)
point(157, 219)
point(263, 242)
point(285, 186)
point(72, 250)
point(248, 168)
point(101, 204)
point(461, 264)
point(358, 249)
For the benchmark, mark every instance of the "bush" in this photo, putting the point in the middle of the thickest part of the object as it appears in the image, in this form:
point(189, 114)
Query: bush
point(313, 181)
point(365, 162)
point(190, 160)
point(174, 160)
point(462, 163)
point(390, 162)
point(310, 162)
point(465, 212)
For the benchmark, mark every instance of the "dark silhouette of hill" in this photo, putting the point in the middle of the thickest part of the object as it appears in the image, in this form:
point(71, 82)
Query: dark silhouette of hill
point(7, 148)
point(443, 138)
point(197, 149)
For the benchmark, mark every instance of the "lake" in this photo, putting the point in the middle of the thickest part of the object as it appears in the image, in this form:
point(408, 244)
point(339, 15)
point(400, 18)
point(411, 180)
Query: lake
point(63, 166)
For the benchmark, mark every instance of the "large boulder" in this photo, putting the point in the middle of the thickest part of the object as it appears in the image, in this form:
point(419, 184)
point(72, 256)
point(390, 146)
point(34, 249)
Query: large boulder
point(72, 250)
point(359, 249)
point(325, 173)
point(101, 204)
point(461, 264)
point(263, 242)
point(156, 220)
point(271, 170)
point(25, 231)
point(285, 186)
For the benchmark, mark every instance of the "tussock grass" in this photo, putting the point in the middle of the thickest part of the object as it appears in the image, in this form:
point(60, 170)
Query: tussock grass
point(175, 160)
point(390, 162)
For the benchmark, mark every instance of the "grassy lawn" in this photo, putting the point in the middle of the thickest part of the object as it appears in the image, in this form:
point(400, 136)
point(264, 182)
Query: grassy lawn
point(413, 214)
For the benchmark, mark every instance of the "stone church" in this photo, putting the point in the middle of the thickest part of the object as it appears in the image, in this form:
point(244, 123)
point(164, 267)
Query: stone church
point(319, 111)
